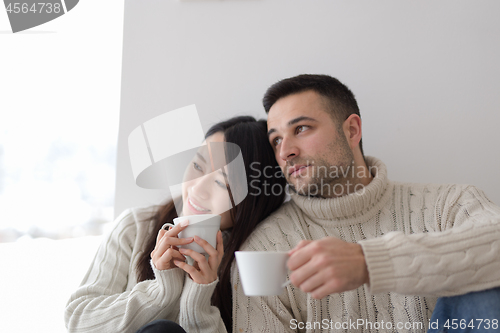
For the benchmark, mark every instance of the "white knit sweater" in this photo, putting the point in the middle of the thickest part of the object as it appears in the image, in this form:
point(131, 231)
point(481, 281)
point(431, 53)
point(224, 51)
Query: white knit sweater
point(110, 299)
point(420, 242)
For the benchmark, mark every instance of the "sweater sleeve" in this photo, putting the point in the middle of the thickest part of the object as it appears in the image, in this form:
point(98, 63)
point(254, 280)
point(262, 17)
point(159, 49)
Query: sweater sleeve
point(461, 256)
point(197, 315)
point(262, 314)
point(102, 303)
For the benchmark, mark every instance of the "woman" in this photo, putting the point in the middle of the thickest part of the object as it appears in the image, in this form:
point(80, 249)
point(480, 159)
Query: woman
point(138, 274)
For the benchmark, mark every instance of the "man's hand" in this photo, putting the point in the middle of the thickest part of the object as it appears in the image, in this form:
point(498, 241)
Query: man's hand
point(327, 266)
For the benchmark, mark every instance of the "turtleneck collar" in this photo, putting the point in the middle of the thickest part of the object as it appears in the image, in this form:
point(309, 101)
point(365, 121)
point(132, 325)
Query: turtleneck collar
point(351, 206)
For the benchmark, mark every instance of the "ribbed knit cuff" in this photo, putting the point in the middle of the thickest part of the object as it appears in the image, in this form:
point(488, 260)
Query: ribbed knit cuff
point(197, 314)
point(197, 294)
point(170, 281)
point(380, 267)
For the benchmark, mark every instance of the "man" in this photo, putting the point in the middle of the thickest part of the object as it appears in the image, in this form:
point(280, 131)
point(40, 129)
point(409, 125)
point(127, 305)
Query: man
point(366, 254)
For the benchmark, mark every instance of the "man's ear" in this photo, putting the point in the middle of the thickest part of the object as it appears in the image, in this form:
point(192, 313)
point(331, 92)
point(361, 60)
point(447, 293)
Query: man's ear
point(352, 130)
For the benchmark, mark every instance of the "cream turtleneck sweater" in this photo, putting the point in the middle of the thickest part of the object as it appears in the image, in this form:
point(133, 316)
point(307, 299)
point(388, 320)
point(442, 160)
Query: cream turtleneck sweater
point(420, 241)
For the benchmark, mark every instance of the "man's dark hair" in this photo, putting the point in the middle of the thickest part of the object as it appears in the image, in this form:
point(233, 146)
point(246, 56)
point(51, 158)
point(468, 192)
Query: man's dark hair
point(341, 101)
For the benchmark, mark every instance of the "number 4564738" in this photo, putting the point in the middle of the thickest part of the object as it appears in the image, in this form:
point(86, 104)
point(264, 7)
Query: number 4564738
point(40, 7)
point(485, 324)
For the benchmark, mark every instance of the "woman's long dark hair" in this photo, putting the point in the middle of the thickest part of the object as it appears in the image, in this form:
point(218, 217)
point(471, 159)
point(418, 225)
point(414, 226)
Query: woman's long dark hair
point(266, 193)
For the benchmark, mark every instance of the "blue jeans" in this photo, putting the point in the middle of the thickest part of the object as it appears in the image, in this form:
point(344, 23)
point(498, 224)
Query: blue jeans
point(473, 312)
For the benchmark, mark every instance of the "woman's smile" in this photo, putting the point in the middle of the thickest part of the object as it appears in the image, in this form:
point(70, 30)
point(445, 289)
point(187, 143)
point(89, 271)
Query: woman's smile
point(196, 208)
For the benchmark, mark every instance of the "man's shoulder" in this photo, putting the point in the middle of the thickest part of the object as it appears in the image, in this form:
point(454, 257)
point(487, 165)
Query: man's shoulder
point(440, 195)
point(426, 188)
point(279, 216)
point(270, 234)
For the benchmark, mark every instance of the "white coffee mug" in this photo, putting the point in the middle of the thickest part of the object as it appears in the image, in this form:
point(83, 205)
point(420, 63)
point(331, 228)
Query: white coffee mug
point(204, 226)
point(262, 273)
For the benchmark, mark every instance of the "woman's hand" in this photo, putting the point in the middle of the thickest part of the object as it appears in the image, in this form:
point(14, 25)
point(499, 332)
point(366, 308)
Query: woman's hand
point(166, 249)
point(203, 271)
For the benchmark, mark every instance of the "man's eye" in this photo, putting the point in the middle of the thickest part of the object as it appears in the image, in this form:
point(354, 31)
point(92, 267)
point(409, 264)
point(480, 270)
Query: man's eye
point(196, 166)
point(276, 141)
point(301, 128)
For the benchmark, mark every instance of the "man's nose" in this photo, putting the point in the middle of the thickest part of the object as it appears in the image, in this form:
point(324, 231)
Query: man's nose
point(288, 149)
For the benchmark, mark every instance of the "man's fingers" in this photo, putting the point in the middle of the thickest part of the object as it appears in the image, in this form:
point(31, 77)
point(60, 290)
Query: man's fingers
point(324, 282)
point(301, 244)
point(325, 290)
point(300, 275)
point(301, 255)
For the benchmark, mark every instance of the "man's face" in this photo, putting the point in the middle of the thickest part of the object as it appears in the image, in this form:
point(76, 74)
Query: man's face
point(309, 146)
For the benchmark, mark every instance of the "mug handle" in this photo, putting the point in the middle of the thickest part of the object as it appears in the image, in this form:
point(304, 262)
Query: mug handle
point(167, 226)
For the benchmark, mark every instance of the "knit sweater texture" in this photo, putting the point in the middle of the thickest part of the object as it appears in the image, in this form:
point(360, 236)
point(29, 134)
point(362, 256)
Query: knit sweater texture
point(109, 298)
point(420, 241)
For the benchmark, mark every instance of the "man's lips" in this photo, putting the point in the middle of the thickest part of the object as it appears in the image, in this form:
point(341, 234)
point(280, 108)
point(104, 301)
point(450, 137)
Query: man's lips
point(295, 170)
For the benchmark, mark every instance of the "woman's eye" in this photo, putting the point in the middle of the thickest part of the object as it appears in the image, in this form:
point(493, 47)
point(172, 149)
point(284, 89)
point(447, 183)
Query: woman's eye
point(196, 166)
point(221, 184)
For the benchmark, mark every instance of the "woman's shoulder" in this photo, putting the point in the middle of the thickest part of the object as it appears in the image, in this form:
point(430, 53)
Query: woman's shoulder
point(137, 214)
point(132, 220)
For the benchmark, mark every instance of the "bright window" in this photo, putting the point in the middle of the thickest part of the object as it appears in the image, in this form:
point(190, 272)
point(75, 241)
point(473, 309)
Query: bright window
point(59, 108)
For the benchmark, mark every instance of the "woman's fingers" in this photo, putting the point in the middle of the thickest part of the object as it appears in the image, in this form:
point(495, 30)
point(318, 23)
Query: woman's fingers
point(164, 261)
point(198, 257)
point(209, 249)
point(173, 232)
point(203, 271)
point(193, 272)
point(220, 245)
point(215, 255)
point(160, 235)
point(200, 261)
point(166, 247)
point(171, 254)
point(167, 254)
point(168, 242)
point(174, 241)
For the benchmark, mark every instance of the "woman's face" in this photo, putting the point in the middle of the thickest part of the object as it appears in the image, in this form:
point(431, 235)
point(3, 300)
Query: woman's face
point(204, 191)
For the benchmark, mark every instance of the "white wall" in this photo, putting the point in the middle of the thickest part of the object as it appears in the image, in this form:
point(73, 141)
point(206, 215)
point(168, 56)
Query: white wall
point(426, 75)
